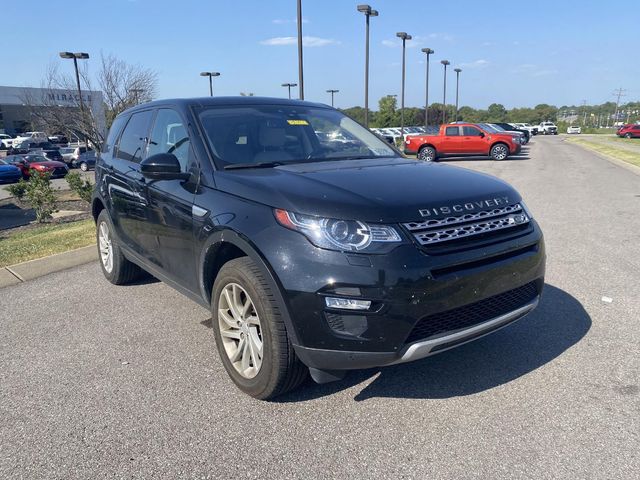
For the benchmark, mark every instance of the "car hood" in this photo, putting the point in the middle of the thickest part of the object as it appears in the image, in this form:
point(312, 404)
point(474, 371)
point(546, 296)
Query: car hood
point(386, 190)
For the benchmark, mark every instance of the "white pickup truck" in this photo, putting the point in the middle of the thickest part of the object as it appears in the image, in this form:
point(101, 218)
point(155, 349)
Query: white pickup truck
point(547, 128)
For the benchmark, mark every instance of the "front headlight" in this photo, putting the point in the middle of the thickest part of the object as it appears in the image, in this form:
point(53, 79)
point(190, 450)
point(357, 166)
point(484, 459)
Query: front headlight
point(342, 235)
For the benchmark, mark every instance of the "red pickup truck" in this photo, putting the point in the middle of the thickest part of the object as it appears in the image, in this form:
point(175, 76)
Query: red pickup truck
point(462, 139)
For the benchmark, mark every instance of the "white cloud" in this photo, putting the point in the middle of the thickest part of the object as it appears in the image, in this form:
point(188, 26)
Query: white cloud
point(306, 41)
point(481, 63)
point(390, 43)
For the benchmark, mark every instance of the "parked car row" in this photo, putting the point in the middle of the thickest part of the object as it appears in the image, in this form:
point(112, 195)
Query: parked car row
point(26, 163)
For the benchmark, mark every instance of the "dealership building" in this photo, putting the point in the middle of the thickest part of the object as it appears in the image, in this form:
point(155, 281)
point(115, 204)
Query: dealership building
point(17, 105)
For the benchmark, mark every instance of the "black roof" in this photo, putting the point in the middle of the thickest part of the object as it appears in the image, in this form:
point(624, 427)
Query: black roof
point(221, 101)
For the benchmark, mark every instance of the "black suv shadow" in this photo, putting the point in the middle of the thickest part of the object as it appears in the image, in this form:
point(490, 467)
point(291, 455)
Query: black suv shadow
point(556, 325)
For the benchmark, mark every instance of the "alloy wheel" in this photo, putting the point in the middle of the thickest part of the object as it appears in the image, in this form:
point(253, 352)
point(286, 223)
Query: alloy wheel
point(240, 330)
point(105, 246)
point(500, 152)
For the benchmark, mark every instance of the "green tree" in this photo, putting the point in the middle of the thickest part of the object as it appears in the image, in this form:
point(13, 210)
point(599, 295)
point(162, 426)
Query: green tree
point(496, 113)
point(37, 193)
point(387, 112)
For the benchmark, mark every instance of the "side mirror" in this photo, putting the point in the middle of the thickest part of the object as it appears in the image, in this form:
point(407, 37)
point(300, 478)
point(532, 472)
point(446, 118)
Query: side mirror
point(481, 134)
point(163, 166)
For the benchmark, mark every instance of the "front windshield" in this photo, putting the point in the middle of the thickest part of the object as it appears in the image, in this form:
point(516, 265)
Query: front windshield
point(498, 127)
point(2, 162)
point(488, 127)
point(259, 134)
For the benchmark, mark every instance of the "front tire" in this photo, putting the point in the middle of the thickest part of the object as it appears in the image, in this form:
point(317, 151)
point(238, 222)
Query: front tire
point(250, 333)
point(627, 135)
point(427, 154)
point(499, 151)
point(115, 267)
point(84, 167)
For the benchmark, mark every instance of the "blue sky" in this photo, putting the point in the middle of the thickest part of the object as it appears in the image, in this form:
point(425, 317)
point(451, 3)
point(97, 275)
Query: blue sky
point(517, 53)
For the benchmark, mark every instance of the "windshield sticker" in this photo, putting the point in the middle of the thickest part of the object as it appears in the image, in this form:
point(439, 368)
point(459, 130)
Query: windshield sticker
point(297, 122)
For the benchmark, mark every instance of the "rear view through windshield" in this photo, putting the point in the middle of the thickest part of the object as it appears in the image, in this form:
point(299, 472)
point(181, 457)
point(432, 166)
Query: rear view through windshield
point(258, 134)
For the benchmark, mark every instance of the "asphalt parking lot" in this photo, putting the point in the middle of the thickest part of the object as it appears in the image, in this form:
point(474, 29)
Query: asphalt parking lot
point(98, 380)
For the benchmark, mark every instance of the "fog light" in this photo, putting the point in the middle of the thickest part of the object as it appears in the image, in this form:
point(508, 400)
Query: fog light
point(347, 303)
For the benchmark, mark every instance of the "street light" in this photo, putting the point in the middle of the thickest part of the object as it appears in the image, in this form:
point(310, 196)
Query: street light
point(444, 94)
point(429, 52)
point(368, 12)
point(332, 92)
point(300, 67)
point(404, 37)
point(457, 70)
point(289, 85)
point(75, 57)
point(210, 75)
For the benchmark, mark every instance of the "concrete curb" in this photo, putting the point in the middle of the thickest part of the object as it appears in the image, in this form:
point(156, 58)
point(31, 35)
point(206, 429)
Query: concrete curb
point(22, 272)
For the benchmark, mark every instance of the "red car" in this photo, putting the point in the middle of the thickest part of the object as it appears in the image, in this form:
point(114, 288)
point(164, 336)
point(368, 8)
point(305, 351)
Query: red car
point(461, 139)
point(629, 131)
point(39, 163)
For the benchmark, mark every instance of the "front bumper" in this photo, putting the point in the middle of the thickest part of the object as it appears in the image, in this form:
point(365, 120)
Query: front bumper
point(404, 287)
point(344, 360)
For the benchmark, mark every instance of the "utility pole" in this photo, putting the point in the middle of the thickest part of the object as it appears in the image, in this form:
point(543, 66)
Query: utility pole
point(618, 93)
point(584, 113)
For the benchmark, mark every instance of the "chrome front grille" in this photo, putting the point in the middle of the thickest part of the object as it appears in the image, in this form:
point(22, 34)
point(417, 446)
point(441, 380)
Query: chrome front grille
point(433, 231)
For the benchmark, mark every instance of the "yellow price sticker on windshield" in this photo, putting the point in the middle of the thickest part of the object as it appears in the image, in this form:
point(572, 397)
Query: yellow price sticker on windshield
point(297, 122)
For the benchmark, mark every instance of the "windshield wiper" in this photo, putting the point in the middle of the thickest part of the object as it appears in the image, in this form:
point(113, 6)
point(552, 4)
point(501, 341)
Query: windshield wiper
point(238, 166)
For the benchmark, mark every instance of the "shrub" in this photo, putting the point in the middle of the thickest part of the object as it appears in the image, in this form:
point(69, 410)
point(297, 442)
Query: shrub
point(18, 190)
point(39, 195)
point(82, 188)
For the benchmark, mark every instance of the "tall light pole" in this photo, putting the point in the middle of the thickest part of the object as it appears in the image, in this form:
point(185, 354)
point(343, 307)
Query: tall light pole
point(210, 75)
point(332, 92)
point(300, 68)
point(368, 12)
point(444, 94)
point(289, 85)
point(75, 57)
point(429, 52)
point(404, 37)
point(457, 70)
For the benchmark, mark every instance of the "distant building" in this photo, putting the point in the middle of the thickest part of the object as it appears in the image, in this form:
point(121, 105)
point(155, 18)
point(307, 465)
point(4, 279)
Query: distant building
point(17, 104)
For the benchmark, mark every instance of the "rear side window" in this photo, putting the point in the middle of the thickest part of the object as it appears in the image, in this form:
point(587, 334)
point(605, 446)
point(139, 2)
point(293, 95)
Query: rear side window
point(114, 131)
point(134, 137)
point(470, 132)
point(452, 132)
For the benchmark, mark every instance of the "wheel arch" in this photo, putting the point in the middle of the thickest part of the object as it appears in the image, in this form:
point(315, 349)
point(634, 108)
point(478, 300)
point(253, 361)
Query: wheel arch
point(96, 207)
point(226, 245)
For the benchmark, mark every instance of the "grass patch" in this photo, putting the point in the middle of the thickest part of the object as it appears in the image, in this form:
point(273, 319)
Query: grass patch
point(45, 240)
point(609, 150)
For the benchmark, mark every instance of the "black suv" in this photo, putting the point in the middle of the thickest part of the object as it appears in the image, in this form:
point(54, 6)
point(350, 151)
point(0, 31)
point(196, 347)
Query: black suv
point(317, 246)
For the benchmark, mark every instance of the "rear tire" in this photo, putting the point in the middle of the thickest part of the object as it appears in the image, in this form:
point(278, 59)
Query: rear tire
point(115, 267)
point(427, 154)
point(247, 322)
point(499, 151)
